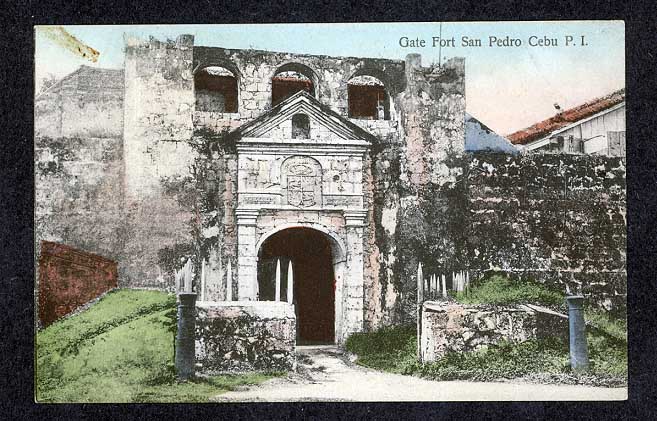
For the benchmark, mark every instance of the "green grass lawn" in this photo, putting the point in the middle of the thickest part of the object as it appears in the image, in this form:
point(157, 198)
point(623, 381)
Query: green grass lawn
point(121, 350)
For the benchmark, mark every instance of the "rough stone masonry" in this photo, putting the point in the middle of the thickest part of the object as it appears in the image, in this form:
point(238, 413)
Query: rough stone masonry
point(128, 168)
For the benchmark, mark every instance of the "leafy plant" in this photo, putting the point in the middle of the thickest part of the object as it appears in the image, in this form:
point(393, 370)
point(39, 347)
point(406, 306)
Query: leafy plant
point(502, 290)
point(394, 349)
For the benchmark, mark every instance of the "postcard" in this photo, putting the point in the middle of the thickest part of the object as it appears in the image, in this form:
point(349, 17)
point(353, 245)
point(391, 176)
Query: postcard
point(330, 212)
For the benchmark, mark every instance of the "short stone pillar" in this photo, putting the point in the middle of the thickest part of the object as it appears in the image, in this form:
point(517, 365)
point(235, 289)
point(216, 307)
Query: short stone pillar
point(185, 345)
point(579, 358)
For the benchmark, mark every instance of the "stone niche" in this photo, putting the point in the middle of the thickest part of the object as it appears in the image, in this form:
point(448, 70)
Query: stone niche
point(245, 336)
point(452, 327)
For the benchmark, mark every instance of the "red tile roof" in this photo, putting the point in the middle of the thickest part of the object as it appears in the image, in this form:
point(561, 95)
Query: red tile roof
point(566, 118)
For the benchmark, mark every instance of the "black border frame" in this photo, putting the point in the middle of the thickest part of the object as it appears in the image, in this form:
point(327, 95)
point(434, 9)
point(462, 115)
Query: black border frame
point(17, 196)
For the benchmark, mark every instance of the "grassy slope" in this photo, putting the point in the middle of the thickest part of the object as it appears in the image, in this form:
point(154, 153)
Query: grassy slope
point(120, 350)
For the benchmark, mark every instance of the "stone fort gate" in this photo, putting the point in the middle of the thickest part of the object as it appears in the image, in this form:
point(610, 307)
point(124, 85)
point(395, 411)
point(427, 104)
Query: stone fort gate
point(355, 169)
point(300, 199)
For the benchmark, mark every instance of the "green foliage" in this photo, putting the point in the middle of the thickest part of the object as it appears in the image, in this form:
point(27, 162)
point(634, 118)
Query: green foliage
point(394, 350)
point(120, 350)
point(385, 339)
point(386, 349)
point(607, 340)
point(170, 257)
point(504, 360)
point(605, 322)
point(501, 290)
point(200, 389)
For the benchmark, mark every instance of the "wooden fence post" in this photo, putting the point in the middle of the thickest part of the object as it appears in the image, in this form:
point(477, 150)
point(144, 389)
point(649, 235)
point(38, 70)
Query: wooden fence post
point(290, 283)
point(277, 294)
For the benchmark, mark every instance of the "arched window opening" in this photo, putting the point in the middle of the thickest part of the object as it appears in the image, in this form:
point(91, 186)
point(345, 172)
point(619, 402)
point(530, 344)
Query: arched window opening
point(286, 83)
point(216, 90)
point(368, 98)
point(300, 126)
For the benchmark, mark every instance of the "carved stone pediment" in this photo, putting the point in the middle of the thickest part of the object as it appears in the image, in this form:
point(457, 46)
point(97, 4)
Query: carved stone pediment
point(325, 125)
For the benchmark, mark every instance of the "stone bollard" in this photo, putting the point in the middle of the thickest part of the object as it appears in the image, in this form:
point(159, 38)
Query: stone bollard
point(185, 338)
point(579, 358)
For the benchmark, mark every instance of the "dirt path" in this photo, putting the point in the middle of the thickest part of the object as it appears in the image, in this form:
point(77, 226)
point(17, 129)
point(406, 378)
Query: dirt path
point(324, 374)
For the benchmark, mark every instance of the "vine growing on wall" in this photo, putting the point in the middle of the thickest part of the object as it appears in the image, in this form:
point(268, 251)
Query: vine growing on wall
point(201, 193)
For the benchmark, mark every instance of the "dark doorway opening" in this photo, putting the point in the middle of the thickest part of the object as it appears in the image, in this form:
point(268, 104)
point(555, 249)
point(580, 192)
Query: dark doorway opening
point(314, 280)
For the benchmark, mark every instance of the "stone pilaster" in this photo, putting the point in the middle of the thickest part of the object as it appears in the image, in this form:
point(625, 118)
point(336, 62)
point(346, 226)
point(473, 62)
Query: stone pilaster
point(352, 293)
point(246, 264)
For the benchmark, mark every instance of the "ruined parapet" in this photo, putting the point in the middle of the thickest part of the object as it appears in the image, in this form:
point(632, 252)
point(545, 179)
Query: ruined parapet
point(159, 101)
point(432, 115)
point(245, 336)
point(86, 103)
point(451, 327)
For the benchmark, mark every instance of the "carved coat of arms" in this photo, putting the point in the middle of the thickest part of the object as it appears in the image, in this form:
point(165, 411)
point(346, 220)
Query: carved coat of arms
point(301, 185)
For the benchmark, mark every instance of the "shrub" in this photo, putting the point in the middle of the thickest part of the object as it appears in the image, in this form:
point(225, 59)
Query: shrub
point(394, 349)
point(502, 290)
point(504, 360)
point(389, 349)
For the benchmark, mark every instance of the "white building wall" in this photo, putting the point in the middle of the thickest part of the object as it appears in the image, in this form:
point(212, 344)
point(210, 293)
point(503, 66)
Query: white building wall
point(595, 130)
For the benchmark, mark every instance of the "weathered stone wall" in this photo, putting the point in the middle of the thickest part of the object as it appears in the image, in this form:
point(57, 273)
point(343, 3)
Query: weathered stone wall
point(213, 189)
point(158, 151)
point(423, 157)
point(451, 327)
point(242, 336)
point(78, 154)
point(560, 219)
point(78, 193)
point(159, 101)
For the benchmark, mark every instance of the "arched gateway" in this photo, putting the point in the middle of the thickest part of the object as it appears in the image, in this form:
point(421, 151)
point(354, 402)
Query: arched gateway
point(300, 198)
point(317, 260)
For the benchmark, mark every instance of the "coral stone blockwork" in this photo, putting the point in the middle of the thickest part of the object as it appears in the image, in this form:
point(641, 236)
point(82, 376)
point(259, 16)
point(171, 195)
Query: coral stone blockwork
point(137, 165)
point(239, 336)
point(450, 327)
